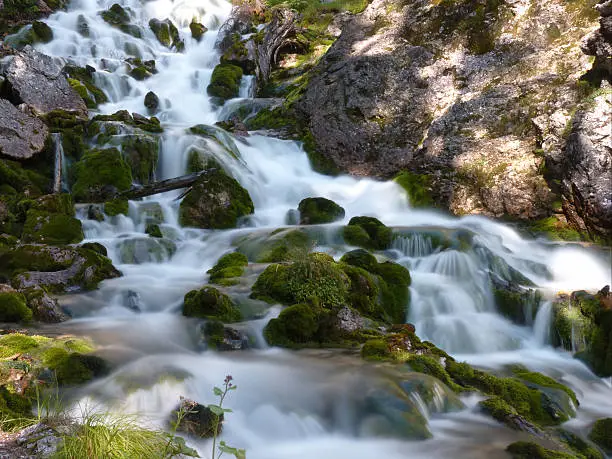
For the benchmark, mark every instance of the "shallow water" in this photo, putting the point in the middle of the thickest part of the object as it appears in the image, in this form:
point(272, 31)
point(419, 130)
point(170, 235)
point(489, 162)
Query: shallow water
point(282, 408)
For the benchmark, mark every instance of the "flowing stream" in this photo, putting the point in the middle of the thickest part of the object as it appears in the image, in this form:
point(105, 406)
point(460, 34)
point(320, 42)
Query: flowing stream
point(294, 404)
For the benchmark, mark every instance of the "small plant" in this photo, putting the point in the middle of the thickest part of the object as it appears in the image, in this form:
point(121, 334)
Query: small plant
point(219, 411)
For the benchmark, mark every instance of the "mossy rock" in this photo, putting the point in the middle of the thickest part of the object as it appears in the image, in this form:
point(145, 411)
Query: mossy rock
point(197, 30)
point(138, 250)
point(216, 201)
point(314, 211)
point(520, 306)
point(376, 349)
point(13, 306)
point(119, 17)
point(116, 207)
point(294, 325)
point(225, 81)
point(210, 303)
point(362, 259)
point(42, 31)
point(14, 408)
point(529, 450)
point(77, 368)
point(278, 246)
point(167, 34)
point(228, 268)
point(153, 230)
point(317, 279)
point(49, 228)
point(601, 434)
point(96, 247)
point(417, 187)
point(368, 232)
point(60, 203)
point(100, 173)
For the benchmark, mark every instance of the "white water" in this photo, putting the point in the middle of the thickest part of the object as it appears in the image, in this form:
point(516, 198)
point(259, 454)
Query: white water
point(283, 403)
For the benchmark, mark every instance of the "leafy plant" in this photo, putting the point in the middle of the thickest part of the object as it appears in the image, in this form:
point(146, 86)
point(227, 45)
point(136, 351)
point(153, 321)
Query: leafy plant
point(219, 411)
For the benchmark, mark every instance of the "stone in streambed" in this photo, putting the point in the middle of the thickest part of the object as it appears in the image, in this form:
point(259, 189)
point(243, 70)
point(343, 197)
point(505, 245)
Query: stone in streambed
point(315, 211)
point(196, 419)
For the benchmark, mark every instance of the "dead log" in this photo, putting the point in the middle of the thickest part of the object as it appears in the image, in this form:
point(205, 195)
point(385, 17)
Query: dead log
point(175, 183)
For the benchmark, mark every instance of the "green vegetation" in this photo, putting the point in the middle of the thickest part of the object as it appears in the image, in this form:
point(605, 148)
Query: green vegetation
point(283, 245)
point(116, 207)
point(51, 228)
point(167, 34)
point(14, 307)
point(100, 169)
point(555, 229)
point(314, 211)
point(528, 450)
point(418, 188)
point(228, 268)
point(368, 232)
point(601, 434)
point(210, 303)
point(225, 81)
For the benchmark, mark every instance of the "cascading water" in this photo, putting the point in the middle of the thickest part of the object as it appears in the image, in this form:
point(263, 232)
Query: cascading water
point(289, 405)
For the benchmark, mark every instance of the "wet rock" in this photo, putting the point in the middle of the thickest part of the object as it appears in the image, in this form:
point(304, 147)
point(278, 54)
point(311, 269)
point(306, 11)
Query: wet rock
point(224, 338)
point(197, 30)
point(40, 440)
point(44, 307)
point(210, 303)
point(197, 420)
point(167, 34)
point(225, 82)
point(131, 300)
point(42, 31)
point(94, 212)
point(368, 232)
point(21, 136)
point(96, 172)
point(82, 81)
point(315, 211)
point(58, 269)
point(287, 245)
point(216, 201)
point(36, 80)
point(587, 183)
point(119, 17)
point(348, 320)
point(14, 307)
point(601, 434)
point(151, 101)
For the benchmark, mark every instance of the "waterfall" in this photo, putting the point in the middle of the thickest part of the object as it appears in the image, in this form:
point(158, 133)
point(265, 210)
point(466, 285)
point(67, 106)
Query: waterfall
point(290, 405)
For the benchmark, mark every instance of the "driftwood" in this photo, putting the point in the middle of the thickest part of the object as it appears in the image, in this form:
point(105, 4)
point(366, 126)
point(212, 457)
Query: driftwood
point(175, 183)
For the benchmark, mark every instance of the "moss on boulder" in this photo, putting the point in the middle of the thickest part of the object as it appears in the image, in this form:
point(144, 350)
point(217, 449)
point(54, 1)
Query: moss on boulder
point(228, 268)
point(50, 228)
point(417, 187)
point(225, 81)
point(100, 174)
point(216, 201)
point(315, 211)
point(601, 434)
point(278, 246)
point(210, 303)
point(197, 30)
point(167, 34)
point(368, 232)
point(13, 306)
point(529, 450)
point(116, 207)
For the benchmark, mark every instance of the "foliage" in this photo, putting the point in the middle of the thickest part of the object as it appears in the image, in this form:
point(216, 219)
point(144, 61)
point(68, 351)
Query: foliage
point(417, 186)
point(228, 267)
point(219, 411)
point(602, 434)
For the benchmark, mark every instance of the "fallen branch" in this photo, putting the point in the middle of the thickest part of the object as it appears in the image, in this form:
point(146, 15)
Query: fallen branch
point(176, 183)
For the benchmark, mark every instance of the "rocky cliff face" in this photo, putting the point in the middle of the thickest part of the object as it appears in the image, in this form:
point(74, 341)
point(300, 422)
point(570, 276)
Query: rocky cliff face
point(483, 102)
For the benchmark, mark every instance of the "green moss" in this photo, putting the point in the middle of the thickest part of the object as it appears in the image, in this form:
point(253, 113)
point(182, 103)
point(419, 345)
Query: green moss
point(554, 229)
point(578, 445)
point(167, 34)
point(431, 365)
point(98, 169)
point(60, 203)
point(116, 207)
point(601, 434)
point(375, 349)
point(364, 292)
point(362, 259)
point(14, 409)
point(216, 201)
point(42, 31)
point(210, 303)
point(283, 246)
point(225, 81)
point(228, 267)
point(319, 162)
point(51, 228)
point(13, 308)
point(372, 233)
point(315, 211)
point(153, 230)
point(316, 279)
point(295, 324)
point(528, 450)
point(542, 380)
point(197, 30)
point(77, 368)
point(515, 305)
point(418, 188)
point(96, 247)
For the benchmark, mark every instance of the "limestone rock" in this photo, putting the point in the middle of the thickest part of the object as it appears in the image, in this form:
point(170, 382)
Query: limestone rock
point(21, 136)
point(36, 80)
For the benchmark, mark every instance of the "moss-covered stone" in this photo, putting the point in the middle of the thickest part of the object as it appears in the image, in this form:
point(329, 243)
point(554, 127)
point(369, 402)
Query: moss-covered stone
point(82, 80)
point(528, 450)
point(210, 303)
point(96, 247)
point(315, 211)
point(100, 173)
point(42, 31)
point(216, 201)
point(417, 187)
point(119, 17)
point(520, 306)
point(368, 232)
point(13, 306)
point(375, 349)
point(285, 245)
point(77, 368)
point(116, 207)
point(50, 228)
point(601, 434)
point(228, 268)
point(141, 70)
point(137, 250)
point(153, 230)
point(295, 324)
point(167, 34)
point(197, 30)
point(316, 279)
point(225, 81)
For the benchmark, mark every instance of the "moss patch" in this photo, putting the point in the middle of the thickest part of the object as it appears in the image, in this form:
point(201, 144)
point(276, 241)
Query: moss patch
point(225, 81)
point(99, 170)
point(228, 268)
point(210, 303)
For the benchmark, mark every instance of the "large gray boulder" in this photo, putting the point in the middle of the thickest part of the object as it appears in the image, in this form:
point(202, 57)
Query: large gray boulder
point(36, 80)
point(587, 185)
point(21, 136)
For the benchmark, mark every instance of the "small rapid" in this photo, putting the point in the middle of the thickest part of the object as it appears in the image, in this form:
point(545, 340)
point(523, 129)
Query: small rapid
point(292, 405)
